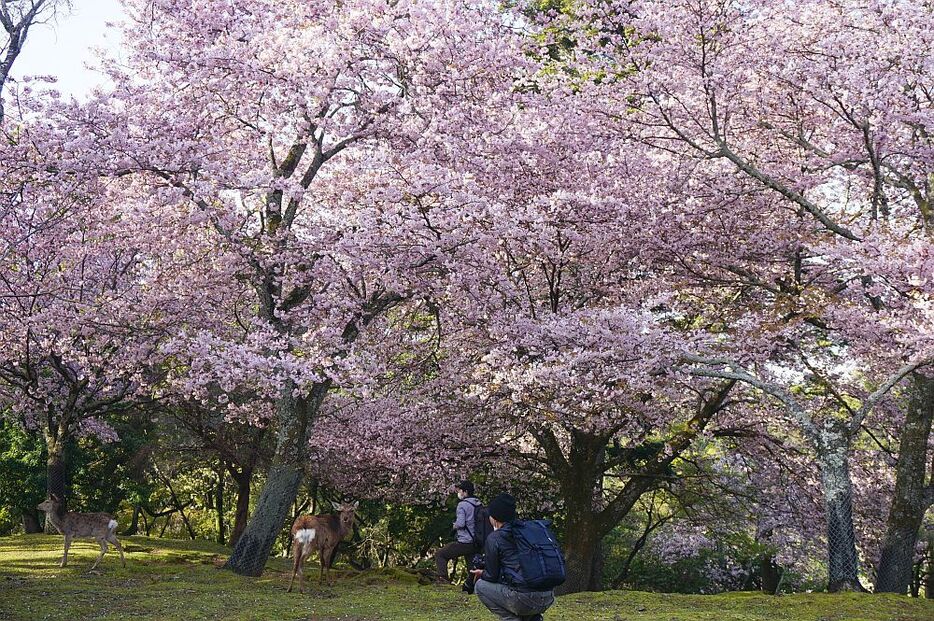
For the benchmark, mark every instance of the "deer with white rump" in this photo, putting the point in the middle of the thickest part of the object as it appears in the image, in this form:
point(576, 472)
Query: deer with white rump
point(99, 526)
point(321, 533)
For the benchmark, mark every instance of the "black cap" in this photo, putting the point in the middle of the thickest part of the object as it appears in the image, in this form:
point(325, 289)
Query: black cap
point(503, 508)
point(467, 486)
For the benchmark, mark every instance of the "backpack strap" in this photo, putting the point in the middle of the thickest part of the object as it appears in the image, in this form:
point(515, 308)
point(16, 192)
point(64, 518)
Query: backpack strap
point(475, 504)
point(515, 578)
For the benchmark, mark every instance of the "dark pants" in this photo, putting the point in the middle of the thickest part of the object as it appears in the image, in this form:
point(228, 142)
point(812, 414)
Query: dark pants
point(452, 551)
point(511, 605)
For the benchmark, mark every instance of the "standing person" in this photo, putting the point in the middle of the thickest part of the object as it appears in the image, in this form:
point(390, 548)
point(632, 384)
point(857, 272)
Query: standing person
point(463, 545)
point(502, 585)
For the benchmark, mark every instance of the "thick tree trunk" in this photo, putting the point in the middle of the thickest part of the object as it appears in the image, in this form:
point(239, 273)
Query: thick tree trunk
point(838, 506)
point(581, 475)
point(909, 503)
point(243, 478)
point(252, 550)
point(583, 532)
point(56, 472)
point(582, 557)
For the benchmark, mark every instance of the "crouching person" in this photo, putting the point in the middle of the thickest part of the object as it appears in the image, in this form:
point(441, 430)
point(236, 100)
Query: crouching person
point(523, 565)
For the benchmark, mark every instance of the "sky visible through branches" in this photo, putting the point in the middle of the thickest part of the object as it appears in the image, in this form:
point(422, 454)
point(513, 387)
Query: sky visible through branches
point(66, 47)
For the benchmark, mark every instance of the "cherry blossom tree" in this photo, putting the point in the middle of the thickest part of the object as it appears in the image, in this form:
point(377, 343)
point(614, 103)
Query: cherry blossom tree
point(76, 335)
point(572, 343)
point(274, 126)
point(416, 238)
point(815, 121)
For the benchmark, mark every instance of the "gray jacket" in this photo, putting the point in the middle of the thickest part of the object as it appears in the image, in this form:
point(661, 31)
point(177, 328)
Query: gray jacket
point(464, 524)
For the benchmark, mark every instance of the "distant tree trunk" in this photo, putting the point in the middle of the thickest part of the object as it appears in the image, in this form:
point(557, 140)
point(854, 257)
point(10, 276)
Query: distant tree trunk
point(133, 528)
point(651, 525)
point(219, 503)
point(168, 520)
point(768, 570)
point(623, 574)
point(910, 501)
point(31, 523)
point(833, 456)
point(285, 475)
point(179, 508)
point(148, 526)
point(929, 576)
point(917, 575)
point(244, 479)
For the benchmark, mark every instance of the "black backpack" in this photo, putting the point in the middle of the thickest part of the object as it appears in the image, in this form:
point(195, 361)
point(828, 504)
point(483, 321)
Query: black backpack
point(481, 527)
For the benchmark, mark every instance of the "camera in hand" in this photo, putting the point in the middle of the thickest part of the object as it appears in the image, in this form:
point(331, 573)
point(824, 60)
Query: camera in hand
point(477, 561)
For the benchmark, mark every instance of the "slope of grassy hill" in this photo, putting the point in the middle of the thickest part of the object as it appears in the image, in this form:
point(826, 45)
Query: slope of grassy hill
point(173, 580)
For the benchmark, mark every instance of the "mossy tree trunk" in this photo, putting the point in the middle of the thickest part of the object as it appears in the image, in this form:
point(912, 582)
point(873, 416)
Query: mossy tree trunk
point(55, 467)
point(580, 469)
point(282, 482)
point(833, 457)
point(912, 497)
point(584, 531)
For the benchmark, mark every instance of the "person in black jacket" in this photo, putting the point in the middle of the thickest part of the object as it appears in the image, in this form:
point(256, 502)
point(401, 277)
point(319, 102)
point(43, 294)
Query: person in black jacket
point(499, 585)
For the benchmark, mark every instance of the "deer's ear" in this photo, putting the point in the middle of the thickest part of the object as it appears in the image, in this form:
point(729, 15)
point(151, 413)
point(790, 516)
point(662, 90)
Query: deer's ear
point(54, 497)
point(355, 504)
point(336, 506)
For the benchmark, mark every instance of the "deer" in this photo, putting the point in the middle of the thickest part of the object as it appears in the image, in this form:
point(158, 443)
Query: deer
point(321, 533)
point(100, 526)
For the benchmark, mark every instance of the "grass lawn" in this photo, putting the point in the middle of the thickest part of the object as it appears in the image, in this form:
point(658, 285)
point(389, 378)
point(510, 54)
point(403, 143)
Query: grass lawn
point(168, 580)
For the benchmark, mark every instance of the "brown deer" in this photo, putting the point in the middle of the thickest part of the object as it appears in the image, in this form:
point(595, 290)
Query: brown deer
point(321, 533)
point(100, 526)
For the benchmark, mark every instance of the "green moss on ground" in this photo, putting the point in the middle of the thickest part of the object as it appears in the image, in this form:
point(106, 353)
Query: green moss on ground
point(181, 580)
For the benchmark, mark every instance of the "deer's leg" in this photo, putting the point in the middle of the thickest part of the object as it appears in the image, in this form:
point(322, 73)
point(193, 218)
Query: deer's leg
point(65, 555)
point(103, 543)
point(297, 552)
point(329, 561)
point(113, 539)
point(306, 552)
point(295, 562)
